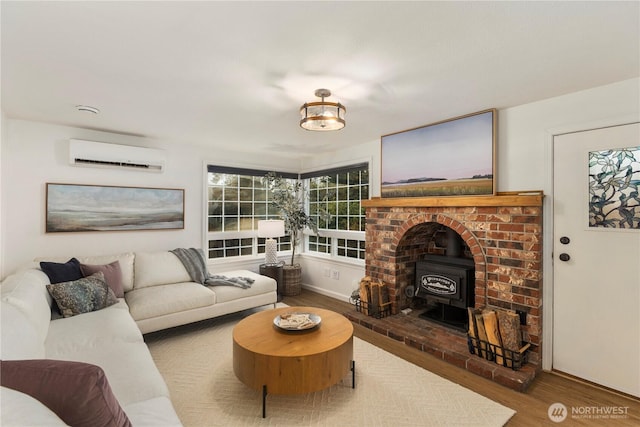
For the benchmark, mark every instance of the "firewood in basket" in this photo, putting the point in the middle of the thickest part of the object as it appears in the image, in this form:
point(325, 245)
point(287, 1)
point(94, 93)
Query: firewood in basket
point(482, 335)
point(473, 331)
point(364, 294)
point(510, 333)
point(374, 295)
point(384, 294)
point(493, 333)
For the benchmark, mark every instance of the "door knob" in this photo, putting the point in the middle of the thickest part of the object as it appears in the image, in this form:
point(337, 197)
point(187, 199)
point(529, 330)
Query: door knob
point(564, 257)
point(565, 240)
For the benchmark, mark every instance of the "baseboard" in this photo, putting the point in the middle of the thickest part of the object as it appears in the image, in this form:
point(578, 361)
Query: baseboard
point(325, 292)
point(592, 384)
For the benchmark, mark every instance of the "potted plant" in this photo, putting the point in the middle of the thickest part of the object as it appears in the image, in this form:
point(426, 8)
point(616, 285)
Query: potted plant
point(289, 197)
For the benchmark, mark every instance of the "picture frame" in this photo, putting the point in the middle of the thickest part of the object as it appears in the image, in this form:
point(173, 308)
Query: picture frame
point(454, 157)
point(86, 208)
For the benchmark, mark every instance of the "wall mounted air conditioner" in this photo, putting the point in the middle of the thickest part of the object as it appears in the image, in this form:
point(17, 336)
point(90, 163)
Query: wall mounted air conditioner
point(103, 155)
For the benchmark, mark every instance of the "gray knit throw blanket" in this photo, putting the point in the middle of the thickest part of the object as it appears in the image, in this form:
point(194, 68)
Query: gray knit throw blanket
point(193, 260)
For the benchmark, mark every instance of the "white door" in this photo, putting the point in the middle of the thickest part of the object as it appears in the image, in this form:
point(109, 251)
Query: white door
point(596, 282)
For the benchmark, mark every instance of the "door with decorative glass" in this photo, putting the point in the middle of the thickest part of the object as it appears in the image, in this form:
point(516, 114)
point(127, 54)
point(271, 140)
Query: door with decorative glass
point(596, 256)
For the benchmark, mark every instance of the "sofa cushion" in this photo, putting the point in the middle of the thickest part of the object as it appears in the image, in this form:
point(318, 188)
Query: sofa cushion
point(26, 290)
point(19, 339)
point(261, 285)
point(62, 272)
point(132, 373)
point(78, 393)
point(154, 412)
point(126, 261)
point(20, 409)
point(110, 339)
point(158, 268)
point(83, 295)
point(161, 300)
point(93, 330)
point(112, 275)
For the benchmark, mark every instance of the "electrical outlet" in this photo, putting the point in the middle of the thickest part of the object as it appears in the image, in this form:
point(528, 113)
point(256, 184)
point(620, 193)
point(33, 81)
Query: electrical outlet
point(335, 274)
point(327, 272)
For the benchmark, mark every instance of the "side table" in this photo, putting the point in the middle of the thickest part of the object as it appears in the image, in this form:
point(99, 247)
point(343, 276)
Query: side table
point(275, 272)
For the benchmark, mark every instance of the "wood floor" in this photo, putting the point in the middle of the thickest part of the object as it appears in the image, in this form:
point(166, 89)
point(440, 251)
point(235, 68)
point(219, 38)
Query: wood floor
point(531, 406)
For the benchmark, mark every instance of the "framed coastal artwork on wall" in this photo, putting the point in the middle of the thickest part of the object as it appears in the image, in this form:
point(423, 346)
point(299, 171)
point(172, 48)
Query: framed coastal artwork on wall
point(454, 157)
point(75, 207)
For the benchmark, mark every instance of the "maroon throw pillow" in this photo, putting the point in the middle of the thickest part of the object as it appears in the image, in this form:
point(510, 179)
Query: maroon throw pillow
point(78, 393)
point(112, 275)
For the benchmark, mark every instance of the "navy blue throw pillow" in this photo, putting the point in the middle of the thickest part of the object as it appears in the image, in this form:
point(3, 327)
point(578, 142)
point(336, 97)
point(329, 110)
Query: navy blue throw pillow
point(58, 272)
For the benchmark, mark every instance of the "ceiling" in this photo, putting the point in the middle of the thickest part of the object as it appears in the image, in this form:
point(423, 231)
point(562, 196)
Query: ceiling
point(233, 75)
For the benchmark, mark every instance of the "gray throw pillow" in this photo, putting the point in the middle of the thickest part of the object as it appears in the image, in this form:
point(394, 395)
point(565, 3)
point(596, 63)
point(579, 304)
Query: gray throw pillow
point(82, 295)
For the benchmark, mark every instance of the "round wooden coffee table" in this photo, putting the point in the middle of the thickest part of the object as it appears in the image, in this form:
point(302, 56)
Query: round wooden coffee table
point(292, 362)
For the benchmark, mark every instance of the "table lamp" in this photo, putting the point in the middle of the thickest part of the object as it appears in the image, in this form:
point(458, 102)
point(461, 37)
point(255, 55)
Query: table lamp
point(271, 228)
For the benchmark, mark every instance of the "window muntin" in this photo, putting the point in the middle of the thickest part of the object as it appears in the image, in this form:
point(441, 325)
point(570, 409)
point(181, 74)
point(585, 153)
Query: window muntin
point(339, 193)
point(236, 200)
point(320, 244)
point(351, 248)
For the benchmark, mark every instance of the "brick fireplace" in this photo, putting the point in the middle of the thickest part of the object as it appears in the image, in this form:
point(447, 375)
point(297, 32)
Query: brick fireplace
point(503, 236)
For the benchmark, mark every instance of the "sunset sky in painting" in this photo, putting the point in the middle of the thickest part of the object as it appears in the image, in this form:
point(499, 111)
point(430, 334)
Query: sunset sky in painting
point(451, 150)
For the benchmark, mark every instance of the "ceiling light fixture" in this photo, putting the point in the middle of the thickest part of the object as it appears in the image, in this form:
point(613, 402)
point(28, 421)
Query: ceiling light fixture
point(87, 109)
point(323, 115)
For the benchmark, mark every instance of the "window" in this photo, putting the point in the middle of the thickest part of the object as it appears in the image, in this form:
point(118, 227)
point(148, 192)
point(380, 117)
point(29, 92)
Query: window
point(351, 248)
point(236, 200)
point(338, 192)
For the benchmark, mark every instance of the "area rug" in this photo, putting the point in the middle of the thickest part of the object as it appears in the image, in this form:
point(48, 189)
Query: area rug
point(196, 362)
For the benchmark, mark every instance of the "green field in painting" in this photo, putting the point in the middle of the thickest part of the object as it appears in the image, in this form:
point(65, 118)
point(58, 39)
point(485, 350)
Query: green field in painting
point(457, 187)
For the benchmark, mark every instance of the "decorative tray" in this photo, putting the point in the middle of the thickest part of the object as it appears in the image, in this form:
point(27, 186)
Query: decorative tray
point(297, 321)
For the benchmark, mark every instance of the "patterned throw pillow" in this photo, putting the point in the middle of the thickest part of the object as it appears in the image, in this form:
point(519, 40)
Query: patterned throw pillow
point(82, 295)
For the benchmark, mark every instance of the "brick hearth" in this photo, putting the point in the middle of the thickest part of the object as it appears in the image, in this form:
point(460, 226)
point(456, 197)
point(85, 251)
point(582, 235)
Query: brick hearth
point(444, 343)
point(502, 234)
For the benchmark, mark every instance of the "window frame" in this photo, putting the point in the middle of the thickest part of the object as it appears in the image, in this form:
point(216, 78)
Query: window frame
point(257, 247)
point(336, 234)
point(333, 234)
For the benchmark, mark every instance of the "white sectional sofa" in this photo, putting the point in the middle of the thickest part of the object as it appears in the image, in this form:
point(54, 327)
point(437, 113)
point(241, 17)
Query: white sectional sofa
point(158, 294)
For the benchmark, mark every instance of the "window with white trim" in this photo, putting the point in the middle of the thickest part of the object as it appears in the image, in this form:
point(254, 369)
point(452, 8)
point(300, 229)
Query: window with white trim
point(338, 192)
point(236, 200)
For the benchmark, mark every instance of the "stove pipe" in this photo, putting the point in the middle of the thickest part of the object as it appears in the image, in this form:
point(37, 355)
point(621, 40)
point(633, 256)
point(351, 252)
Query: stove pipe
point(454, 244)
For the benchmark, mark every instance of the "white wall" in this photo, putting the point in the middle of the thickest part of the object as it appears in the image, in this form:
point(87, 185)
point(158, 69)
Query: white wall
point(523, 157)
point(524, 161)
point(34, 154)
point(3, 137)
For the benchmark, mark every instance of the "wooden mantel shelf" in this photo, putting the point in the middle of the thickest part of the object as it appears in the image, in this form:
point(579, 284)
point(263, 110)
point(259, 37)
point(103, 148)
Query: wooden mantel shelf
point(510, 198)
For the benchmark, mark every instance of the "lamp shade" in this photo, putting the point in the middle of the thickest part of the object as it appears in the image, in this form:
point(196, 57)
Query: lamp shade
point(271, 228)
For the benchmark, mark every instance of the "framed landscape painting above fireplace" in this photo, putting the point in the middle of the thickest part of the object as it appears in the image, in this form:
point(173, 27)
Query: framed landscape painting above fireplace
point(454, 157)
point(75, 207)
